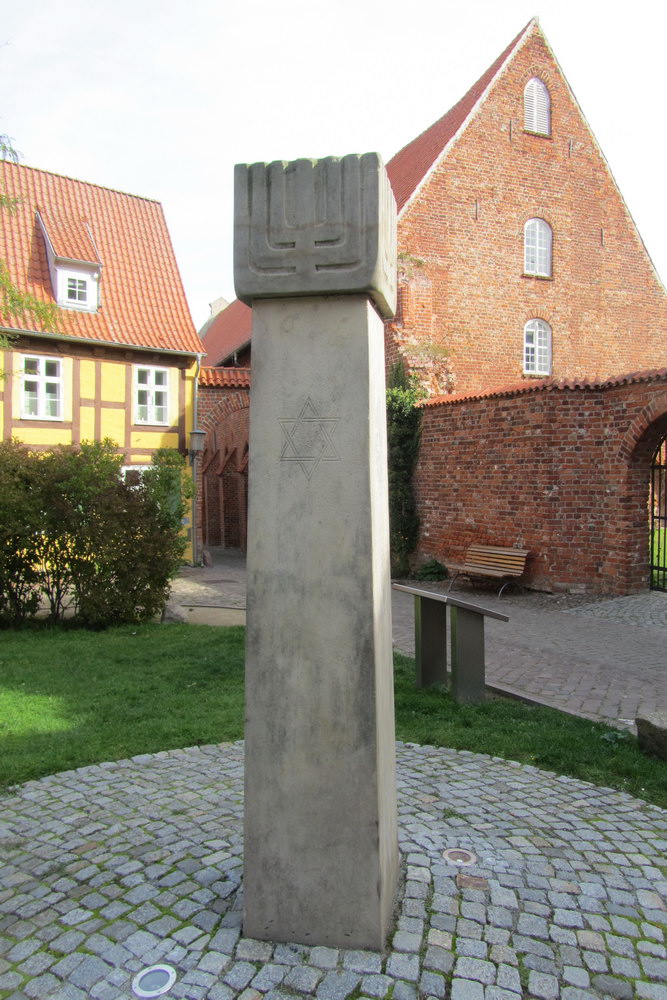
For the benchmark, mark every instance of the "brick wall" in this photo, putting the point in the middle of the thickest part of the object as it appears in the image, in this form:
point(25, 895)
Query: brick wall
point(561, 471)
point(464, 301)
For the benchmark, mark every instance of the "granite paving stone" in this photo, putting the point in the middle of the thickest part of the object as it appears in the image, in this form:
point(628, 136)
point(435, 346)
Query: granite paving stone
point(567, 891)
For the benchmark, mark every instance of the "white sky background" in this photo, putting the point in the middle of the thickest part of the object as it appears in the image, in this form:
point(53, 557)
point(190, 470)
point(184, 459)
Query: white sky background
point(162, 97)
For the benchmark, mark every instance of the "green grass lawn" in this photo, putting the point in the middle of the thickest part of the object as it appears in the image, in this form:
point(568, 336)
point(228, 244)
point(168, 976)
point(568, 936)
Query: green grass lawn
point(70, 698)
point(659, 558)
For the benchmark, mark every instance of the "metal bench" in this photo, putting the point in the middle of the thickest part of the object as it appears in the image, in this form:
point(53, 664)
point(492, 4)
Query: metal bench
point(467, 642)
point(492, 562)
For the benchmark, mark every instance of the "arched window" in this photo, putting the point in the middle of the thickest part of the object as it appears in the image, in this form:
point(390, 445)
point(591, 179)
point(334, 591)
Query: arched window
point(537, 107)
point(537, 248)
point(537, 347)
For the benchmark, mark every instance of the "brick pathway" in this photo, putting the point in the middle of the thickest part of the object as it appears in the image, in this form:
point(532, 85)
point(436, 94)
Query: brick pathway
point(602, 659)
point(112, 868)
point(605, 660)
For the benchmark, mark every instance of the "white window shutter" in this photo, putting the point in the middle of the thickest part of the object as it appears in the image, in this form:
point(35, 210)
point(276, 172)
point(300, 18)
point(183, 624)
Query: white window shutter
point(537, 107)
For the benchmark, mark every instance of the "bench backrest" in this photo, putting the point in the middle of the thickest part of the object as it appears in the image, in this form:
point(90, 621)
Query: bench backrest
point(512, 562)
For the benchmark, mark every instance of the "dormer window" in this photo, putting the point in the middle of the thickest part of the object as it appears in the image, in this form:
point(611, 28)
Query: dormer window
point(76, 289)
point(74, 262)
point(537, 108)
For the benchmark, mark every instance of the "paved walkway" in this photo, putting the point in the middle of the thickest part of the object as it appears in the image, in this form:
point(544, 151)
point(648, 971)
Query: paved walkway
point(115, 867)
point(604, 659)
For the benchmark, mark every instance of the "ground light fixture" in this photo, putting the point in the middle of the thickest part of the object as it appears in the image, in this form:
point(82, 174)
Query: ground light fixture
point(459, 856)
point(154, 981)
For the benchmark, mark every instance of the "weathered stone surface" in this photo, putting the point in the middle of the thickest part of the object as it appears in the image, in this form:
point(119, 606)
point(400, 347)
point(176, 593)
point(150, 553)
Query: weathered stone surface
point(320, 815)
point(315, 227)
point(652, 733)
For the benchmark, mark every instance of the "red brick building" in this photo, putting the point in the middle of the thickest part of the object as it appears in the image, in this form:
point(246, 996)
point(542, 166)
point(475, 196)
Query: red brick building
point(519, 262)
point(518, 256)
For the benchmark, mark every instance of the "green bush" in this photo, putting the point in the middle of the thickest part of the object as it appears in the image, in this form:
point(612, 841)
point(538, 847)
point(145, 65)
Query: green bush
point(432, 570)
point(85, 540)
point(403, 431)
point(19, 514)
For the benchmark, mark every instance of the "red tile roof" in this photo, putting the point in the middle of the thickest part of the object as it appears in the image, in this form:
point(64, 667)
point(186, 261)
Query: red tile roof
point(227, 332)
point(142, 299)
point(548, 385)
point(233, 378)
point(411, 164)
point(70, 238)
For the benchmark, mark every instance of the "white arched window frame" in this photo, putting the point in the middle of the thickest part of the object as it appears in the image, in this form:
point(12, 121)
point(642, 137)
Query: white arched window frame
point(537, 347)
point(537, 107)
point(537, 243)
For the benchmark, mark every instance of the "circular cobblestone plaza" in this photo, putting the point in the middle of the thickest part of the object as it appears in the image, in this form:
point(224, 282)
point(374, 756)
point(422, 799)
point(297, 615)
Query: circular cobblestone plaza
point(115, 867)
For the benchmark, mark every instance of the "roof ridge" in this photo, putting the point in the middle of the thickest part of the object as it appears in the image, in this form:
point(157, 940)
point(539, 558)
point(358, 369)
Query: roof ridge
point(419, 156)
point(90, 184)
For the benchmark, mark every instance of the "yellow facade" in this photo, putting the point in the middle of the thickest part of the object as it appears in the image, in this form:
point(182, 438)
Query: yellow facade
point(96, 397)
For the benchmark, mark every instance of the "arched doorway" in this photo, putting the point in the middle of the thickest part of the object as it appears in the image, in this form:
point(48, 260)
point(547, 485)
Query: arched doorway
point(658, 517)
point(223, 469)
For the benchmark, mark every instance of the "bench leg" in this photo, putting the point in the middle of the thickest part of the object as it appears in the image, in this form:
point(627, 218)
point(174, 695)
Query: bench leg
point(430, 642)
point(468, 669)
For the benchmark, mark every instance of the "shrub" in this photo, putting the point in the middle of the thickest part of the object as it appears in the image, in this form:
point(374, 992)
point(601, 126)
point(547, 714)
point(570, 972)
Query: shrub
point(19, 515)
point(432, 570)
point(84, 538)
point(403, 431)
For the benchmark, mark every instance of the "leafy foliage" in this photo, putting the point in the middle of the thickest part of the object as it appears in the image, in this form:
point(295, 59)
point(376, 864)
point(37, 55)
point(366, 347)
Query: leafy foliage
point(432, 570)
point(72, 532)
point(14, 302)
point(403, 432)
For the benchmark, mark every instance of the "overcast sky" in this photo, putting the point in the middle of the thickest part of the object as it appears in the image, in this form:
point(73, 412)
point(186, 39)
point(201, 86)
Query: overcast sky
point(162, 97)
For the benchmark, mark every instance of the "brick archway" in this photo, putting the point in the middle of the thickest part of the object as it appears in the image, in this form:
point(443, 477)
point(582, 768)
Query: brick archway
point(222, 478)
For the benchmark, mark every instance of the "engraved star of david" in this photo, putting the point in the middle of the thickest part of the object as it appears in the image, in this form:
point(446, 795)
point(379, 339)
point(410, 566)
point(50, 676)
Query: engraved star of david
point(309, 439)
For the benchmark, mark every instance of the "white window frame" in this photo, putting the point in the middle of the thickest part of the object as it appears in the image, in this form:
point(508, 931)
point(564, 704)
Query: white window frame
point(42, 379)
point(124, 469)
point(65, 277)
point(538, 248)
point(151, 387)
point(537, 107)
point(537, 337)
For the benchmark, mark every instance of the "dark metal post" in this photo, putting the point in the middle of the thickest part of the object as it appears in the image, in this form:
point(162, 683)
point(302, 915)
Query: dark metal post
point(468, 682)
point(430, 642)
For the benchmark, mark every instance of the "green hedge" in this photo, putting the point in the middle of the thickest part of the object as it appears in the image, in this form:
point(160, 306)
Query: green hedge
point(76, 537)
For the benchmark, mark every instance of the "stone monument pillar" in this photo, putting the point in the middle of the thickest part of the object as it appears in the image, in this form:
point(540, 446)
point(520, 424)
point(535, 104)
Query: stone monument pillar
point(315, 254)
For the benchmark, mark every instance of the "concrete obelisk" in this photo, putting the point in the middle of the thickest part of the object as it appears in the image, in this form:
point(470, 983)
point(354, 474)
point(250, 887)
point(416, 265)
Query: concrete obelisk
point(315, 254)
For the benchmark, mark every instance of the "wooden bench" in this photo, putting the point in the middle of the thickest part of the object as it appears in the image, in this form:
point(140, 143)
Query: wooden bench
point(468, 667)
point(492, 562)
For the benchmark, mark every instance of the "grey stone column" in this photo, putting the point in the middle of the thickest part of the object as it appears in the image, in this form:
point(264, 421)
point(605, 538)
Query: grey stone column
point(315, 254)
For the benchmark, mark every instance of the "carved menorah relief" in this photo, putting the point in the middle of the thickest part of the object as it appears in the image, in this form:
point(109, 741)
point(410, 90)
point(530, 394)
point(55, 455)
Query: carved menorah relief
point(315, 227)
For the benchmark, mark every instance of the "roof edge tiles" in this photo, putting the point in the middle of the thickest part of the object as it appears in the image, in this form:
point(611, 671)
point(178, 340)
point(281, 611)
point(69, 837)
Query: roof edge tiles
point(233, 378)
point(548, 385)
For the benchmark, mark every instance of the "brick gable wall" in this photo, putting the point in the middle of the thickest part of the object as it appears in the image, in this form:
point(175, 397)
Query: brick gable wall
point(561, 472)
point(464, 300)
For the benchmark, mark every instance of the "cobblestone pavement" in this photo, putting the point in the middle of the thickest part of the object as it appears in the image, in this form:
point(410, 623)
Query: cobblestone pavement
point(115, 867)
